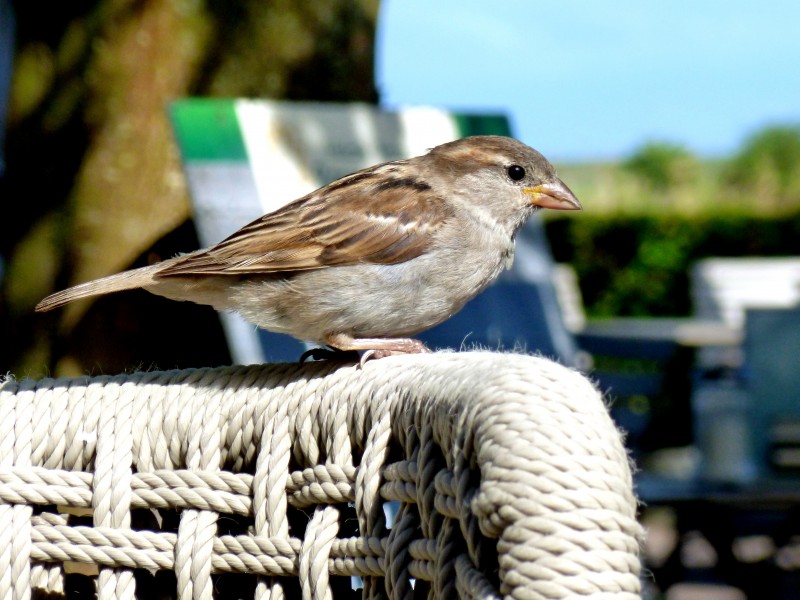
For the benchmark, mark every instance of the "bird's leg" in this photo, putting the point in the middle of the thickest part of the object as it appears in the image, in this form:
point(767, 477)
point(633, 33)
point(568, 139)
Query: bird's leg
point(376, 347)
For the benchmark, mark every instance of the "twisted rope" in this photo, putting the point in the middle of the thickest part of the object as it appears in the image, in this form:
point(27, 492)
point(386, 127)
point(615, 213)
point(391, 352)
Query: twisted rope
point(510, 477)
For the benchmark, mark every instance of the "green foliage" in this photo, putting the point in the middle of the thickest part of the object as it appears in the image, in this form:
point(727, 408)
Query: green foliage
point(638, 265)
point(662, 165)
point(768, 165)
point(763, 178)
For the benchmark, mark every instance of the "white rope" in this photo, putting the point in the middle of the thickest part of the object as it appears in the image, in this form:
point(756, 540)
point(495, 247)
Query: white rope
point(111, 496)
point(511, 476)
point(15, 520)
point(313, 565)
point(270, 502)
point(197, 528)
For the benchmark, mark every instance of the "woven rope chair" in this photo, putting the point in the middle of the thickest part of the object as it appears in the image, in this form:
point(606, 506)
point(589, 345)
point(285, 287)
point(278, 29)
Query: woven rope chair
point(270, 481)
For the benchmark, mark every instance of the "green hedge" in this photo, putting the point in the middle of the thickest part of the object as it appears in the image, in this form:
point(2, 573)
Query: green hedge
point(639, 265)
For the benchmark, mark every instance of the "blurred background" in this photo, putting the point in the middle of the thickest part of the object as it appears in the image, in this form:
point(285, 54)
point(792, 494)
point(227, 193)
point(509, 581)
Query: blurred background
point(677, 125)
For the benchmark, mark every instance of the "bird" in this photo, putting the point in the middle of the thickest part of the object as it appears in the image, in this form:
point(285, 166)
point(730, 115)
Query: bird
point(366, 262)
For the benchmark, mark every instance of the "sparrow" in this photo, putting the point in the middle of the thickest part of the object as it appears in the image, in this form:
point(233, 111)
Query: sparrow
point(371, 259)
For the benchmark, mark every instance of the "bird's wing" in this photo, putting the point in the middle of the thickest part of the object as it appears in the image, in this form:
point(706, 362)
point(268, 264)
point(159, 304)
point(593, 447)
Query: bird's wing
point(380, 215)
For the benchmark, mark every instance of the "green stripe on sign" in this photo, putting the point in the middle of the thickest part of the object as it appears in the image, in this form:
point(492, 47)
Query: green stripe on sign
point(207, 129)
point(482, 124)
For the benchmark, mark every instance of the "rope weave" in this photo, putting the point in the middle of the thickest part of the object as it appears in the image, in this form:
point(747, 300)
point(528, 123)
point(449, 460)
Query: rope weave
point(510, 477)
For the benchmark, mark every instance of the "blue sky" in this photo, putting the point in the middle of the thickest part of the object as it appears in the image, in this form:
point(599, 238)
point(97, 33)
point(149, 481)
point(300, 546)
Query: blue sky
point(595, 80)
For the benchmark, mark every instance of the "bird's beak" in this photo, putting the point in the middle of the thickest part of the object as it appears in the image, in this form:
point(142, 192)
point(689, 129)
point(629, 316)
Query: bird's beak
point(555, 195)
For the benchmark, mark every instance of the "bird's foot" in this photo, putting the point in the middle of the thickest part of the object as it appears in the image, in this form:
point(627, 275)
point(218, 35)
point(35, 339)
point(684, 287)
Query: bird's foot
point(375, 348)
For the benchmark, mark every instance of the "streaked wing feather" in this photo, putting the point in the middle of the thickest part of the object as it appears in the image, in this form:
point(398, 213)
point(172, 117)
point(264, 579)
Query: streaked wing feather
point(330, 227)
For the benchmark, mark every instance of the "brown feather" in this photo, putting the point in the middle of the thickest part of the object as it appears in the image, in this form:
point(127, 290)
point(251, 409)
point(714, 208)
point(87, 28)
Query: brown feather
point(329, 228)
point(127, 280)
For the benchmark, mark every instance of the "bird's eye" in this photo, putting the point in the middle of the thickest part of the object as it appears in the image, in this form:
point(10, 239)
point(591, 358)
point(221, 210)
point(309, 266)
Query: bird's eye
point(515, 172)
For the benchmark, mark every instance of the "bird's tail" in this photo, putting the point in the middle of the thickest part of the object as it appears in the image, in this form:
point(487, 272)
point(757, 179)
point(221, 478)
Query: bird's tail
point(126, 280)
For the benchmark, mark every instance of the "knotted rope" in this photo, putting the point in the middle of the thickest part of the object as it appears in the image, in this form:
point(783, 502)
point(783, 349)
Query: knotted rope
point(510, 477)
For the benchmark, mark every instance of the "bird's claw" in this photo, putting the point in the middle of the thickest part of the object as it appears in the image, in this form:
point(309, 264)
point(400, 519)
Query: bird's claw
point(376, 353)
